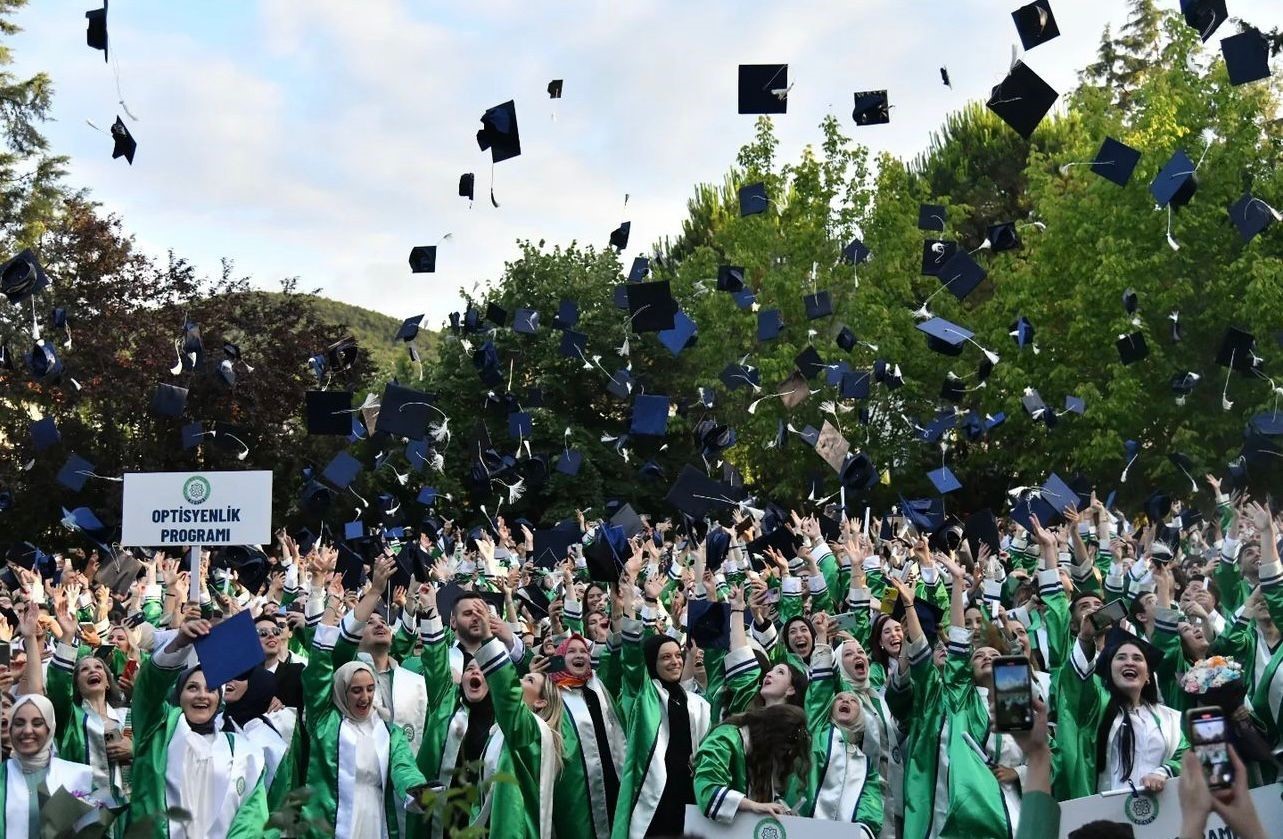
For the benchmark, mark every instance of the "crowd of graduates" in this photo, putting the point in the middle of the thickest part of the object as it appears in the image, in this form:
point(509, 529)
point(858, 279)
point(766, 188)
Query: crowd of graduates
point(849, 678)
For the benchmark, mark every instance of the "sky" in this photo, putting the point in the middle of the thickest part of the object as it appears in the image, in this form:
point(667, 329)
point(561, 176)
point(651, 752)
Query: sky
point(322, 139)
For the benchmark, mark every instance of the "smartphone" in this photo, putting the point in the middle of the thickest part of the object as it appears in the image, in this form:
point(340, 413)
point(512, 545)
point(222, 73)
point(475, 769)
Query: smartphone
point(772, 596)
point(556, 664)
point(889, 597)
point(1108, 615)
point(5, 651)
point(1209, 737)
point(845, 622)
point(1013, 694)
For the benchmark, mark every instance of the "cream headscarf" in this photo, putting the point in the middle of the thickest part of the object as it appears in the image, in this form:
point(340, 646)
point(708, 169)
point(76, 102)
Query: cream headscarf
point(342, 679)
point(41, 759)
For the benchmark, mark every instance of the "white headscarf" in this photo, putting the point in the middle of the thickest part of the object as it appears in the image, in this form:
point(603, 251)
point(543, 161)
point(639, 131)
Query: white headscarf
point(342, 679)
point(41, 759)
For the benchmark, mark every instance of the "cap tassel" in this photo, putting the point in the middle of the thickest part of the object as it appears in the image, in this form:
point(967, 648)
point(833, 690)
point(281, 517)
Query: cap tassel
point(89, 474)
point(1177, 335)
point(1171, 241)
point(364, 503)
point(1193, 484)
point(437, 461)
point(492, 198)
point(1226, 404)
point(1123, 479)
point(1272, 211)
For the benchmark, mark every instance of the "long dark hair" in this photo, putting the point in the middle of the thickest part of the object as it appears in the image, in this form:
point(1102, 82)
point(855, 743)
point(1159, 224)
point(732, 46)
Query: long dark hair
point(797, 679)
point(878, 654)
point(1120, 703)
point(779, 747)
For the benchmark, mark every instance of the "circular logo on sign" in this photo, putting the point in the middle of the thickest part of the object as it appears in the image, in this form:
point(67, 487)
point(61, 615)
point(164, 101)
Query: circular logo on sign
point(769, 828)
point(196, 490)
point(408, 731)
point(240, 786)
point(1140, 809)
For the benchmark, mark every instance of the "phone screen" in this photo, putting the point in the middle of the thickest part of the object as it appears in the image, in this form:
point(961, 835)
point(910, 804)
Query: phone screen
point(1013, 694)
point(1109, 614)
point(556, 664)
point(888, 600)
point(772, 596)
point(5, 651)
point(1208, 736)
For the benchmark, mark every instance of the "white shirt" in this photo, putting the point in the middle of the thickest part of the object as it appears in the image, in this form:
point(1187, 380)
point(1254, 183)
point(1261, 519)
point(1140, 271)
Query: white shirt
point(1151, 750)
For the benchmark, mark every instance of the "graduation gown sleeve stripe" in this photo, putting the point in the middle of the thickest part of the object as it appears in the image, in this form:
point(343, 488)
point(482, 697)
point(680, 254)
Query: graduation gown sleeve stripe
point(721, 778)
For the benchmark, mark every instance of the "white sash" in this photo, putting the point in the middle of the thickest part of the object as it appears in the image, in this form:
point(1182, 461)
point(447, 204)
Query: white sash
point(577, 707)
point(73, 777)
point(652, 786)
point(350, 737)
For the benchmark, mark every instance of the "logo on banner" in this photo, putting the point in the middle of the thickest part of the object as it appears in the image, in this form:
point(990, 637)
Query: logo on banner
point(769, 828)
point(1140, 809)
point(196, 490)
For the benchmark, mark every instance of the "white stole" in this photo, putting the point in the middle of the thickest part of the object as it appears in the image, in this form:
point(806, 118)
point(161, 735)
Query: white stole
point(234, 770)
point(409, 705)
point(843, 781)
point(73, 777)
point(351, 737)
point(652, 784)
point(577, 707)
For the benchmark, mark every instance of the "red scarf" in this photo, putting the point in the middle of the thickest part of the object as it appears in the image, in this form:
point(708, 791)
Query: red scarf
point(562, 678)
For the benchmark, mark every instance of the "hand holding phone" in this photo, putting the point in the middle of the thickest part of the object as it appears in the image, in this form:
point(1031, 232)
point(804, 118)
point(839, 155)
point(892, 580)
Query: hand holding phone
point(1106, 616)
point(1209, 740)
point(1013, 699)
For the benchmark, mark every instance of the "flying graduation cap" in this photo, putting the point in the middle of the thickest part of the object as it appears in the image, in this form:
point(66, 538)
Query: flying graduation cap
point(763, 88)
point(499, 133)
point(1035, 23)
point(1022, 99)
point(123, 143)
point(96, 31)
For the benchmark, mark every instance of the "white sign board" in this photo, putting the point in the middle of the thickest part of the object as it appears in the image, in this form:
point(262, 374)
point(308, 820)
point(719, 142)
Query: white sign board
point(753, 826)
point(1159, 817)
point(197, 508)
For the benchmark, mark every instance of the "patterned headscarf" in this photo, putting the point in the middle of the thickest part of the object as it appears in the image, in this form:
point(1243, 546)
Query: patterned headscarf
point(562, 678)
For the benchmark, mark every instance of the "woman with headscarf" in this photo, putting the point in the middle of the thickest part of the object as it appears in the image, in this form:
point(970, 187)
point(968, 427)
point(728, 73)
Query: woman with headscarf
point(748, 762)
point(33, 766)
point(181, 762)
point(527, 745)
point(592, 746)
point(665, 726)
point(246, 700)
point(93, 728)
point(361, 769)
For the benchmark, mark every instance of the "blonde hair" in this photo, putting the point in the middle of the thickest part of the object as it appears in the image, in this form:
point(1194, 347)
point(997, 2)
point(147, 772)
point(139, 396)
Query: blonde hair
point(552, 713)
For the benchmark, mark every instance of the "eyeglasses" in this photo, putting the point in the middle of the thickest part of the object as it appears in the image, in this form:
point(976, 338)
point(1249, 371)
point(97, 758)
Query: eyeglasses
point(273, 632)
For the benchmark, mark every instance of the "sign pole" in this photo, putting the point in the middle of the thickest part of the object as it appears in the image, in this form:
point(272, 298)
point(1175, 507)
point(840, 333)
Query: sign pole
point(193, 560)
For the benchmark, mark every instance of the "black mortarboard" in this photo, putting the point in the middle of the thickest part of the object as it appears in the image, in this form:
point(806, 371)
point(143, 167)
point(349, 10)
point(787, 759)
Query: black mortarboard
point(123, 143)
point(1251, 216)
point(1270, 424)
point(526, 322)
point(619, 236)
point(640, 268)
point(535, 598)
point(554, 89)
point(1247, 56)
point(620, 383)
point(573, 343)
point(809, 363)
point(682, 335)
point(1204, 15)
point(1032, 504)
point(855, 253)
point(846, 339)
point(606, 554)
point(22, 276)
point(1022, 99)
point(1003, 237)
point(763, 88)
point(953, 389)
point(75, 472)
point(945, 337)
point(342, 353)
point(1035, 23)
point(935, 255)
point(1237, 349)
point(423, 259)
point(697, 495)
point(651, 307)
point(962, 274)
point(552, 546)
point(496, 314)
point(404, 412)
point(982, 528)
point(1176, 183)
point(730, 278)
point(409, 329)
point(872, 107)
point(744, 299)
point(769, 324)
point(352, 566)
point(753, 199)
point(567, 313)
point(781, 539)
point(736, 376)
point(1116, 161)
point(169, 400)
point(192, 433)
point(342, 470)
point(467, 185)
point(650, 415)
point(569, 462)
point(499, 132)
point(818, 305)
point(932, 217)
point(944, 480)
point(44, 433)
point(1132, 348)
point(708, 623)
point(96, 31)
point(520, 425)
point(329, 412)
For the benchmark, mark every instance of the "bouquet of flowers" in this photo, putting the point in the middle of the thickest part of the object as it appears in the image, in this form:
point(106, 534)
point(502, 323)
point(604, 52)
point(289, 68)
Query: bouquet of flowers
point(1216, 681)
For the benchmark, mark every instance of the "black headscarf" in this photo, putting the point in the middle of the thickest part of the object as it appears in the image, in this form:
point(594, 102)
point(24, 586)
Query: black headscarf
point(257, 698)
point(650, 649)
point(203, 728)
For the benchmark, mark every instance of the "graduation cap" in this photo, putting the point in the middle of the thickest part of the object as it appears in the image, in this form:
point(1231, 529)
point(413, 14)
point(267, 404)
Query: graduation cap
point(651, 306)
point(1022, 331)
point(44, 433)
point(832, 447)
point(730, 278)
point(22, 277)
point(929, 615)
point(793, 391)
point(769, 324)
point(736, 376)
point(650, 415)
point(123, 143)
point(855, 253)
point(744, 299)
point(872, 107)
point(1033, 404)
point(1176, 183)
point(932, 217)
point(753, 199)
point(342, 470)
point(708, 622)
point(1116, 161)
point(169, 400)
point(982, 528)
point(620, 383)
point(1035, 23)
point(74, 472)
point(553, 545)
point(96, 31)
point(1032, 504)
point(639, 269)
point(606, 554)
point(681, 336)
point(573, 344)
point(944, 337)
point(328, 412)
point(953, 389)
point(698, 495)
point(1237, 350)
point(763, 88)
point(1115, 639)
point(1002, 237)
point(499, 132)
point(935, 255)
point(351, 565)
point(1205, 16)
point(409, 329)
point(1247, 56)
point(818, 305)
point(1270, 424)
point(926, 515)
point(855, 384)
point(962, 274)
point(809, 363)
point(1075, 405)
point(1022, 99)
point(467, 186)
point(496, 314)
point(619, 236)
point(554, 89)
point(780, 538)
point(567, 314)
point(342, 353)
point(846, 339)
point(1132, 348)
point(404, 412)
point(1252, 216)
point(526, 322)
